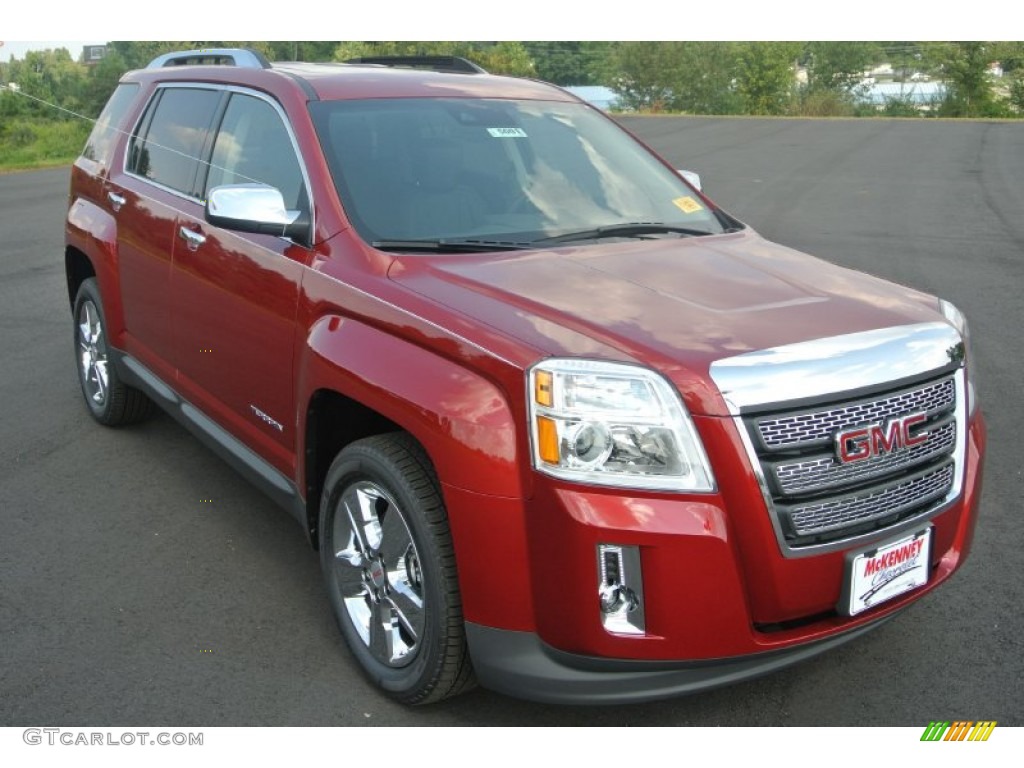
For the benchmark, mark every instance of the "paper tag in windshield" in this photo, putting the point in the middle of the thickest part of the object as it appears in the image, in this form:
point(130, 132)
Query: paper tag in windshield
point(507, 133)
point(688, 204)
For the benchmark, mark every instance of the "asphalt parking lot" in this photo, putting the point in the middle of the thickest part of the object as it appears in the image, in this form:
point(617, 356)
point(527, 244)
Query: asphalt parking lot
point(125, 600)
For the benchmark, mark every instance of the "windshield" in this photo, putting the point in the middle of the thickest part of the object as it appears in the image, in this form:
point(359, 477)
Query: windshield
point(497, 171)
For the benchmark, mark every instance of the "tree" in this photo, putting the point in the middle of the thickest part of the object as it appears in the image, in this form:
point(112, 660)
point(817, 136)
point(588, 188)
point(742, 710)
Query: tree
point(285, 50)
point(48, 81)
point(570, 63)
point(765, 76)
point(500, 58)
point(964, 66)
point(648, 75)
point(137, 54)
point(1017, 91)
point(709, 82)
point(102, 81)
point(835, 72)
point(11, 105)
point(838, 66)
point(1011, 58)
point(694, 77)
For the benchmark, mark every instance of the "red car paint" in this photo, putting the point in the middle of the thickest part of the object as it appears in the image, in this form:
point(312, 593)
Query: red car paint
point(439, 345)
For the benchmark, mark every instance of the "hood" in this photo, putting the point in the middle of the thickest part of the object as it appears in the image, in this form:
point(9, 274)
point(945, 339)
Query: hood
point(676, 305)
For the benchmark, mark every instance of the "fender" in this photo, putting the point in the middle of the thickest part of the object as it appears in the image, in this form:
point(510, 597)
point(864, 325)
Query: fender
point(469, 431)
point(463, 420)
point(93, 231)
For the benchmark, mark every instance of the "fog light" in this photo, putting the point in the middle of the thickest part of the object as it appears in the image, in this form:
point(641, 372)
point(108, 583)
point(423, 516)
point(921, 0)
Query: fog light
point(620, 589)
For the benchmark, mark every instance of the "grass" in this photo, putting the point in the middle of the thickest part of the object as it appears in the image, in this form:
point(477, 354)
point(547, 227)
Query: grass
point(26, 143)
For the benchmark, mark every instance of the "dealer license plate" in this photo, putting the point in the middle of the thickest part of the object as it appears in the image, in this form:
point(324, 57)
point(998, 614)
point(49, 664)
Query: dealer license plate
point(885, 572)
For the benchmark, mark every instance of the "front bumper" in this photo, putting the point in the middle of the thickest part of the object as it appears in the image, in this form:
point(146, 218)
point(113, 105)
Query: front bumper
point(723, 603)
point(520, 664)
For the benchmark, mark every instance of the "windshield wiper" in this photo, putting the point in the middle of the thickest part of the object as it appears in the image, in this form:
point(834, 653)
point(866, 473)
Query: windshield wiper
point(631, 229)
point(442, 245)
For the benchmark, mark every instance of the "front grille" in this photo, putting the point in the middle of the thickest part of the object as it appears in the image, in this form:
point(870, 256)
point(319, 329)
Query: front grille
point(817, 498)
point(817, 426)
point(803, 475)
point(866, 506)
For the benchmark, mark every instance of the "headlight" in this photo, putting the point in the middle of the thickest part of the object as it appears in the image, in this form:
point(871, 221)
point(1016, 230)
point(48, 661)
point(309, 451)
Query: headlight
point(957, 320)
point(613, 424)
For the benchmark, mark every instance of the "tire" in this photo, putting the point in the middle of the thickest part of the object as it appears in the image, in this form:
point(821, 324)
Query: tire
point(389, 565)
point(110, 401)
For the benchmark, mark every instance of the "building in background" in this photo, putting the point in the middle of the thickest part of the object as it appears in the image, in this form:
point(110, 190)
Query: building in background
point(93, 54)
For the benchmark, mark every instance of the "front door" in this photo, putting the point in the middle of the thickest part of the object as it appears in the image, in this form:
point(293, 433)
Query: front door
point(236, 295)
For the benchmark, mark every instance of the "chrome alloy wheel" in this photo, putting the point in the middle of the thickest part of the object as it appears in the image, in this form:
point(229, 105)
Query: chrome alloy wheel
point(92, 354)
point(377, 570)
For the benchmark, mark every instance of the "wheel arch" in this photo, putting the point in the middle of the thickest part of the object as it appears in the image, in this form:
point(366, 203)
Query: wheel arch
point(356, 380)
point(91, 251)
point(332, 422)
point(77, 269)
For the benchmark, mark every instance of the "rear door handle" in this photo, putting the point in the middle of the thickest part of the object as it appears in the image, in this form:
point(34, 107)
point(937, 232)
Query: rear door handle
point(116, 200)
point(192, 238)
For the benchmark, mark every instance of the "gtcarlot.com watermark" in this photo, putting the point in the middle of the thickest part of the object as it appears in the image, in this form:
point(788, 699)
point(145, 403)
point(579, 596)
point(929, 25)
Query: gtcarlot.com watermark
point(71, 738)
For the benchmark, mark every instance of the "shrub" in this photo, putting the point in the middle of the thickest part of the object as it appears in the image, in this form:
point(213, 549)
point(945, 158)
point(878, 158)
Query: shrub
point(20, 134)
point(29, 143)
point(823, 103)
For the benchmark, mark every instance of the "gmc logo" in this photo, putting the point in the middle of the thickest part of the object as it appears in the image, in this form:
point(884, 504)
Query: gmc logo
point(878, 439)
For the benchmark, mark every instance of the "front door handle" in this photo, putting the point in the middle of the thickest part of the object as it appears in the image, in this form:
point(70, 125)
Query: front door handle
point(116, 200)
point(192, 238)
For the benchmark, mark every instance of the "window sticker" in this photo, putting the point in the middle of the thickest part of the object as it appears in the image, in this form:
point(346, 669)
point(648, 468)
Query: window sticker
point(688, 204)
point(507, 133)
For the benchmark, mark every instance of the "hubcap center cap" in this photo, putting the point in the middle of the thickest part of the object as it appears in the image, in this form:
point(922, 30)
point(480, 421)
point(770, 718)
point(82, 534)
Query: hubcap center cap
point(376, 573)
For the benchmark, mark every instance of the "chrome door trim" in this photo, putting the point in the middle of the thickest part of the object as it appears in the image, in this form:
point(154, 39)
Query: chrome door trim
point(133, 136)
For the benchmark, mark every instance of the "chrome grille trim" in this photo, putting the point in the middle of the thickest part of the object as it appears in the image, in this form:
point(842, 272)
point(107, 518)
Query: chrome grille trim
point(814, 498)
point(868, 361)
point(874, 504)
point(843, 371)
point(817, 427)
point(825, 472)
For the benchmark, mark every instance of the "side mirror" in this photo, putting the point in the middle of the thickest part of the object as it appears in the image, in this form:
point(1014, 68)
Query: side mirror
point(693, 178)
point(255, 208)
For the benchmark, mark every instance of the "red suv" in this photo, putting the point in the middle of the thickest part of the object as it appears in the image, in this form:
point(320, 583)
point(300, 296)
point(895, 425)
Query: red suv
point(554, 420)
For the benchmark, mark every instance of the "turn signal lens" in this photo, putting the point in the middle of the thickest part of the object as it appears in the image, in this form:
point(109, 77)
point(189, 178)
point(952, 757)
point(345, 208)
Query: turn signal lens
point(547, 440)
point(542, 388)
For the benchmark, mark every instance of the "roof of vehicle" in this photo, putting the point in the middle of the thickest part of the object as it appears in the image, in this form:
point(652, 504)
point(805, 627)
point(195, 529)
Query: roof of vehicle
point(363, 81)
point(348, 80)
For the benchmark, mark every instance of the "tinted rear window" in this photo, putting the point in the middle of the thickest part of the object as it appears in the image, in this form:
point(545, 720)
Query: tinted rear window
point(169, 152)
point(100, 145)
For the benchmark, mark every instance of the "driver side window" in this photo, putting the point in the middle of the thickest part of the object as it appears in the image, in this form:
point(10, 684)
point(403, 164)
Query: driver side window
point(253, 146)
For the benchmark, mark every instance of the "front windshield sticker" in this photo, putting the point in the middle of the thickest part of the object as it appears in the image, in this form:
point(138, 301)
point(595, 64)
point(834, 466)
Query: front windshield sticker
point(688, 204)
point(507, 133)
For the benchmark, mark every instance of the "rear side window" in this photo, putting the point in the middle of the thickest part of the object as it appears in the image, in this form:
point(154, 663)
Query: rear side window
point(170, 149)
point(100, 145)
point(253, 146)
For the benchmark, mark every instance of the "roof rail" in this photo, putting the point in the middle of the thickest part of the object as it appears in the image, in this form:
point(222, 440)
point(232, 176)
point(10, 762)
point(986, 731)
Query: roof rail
point(436, 63)
point(232, 57)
